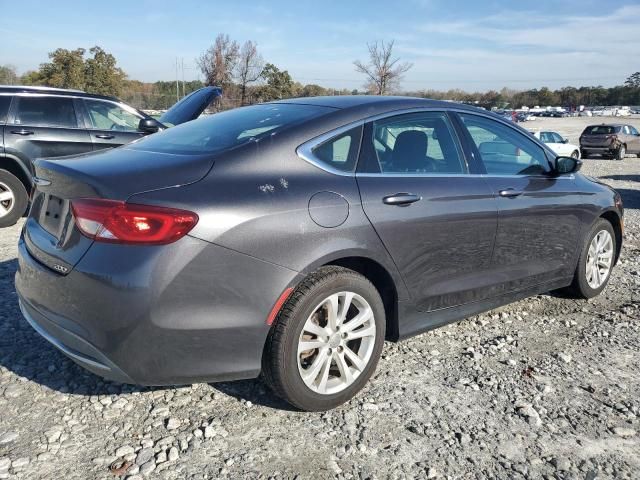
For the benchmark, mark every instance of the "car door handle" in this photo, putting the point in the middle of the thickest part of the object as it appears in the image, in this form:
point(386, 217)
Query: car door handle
point(105, 136)
point(509, 193)
point(22, 132)
point(401, 199)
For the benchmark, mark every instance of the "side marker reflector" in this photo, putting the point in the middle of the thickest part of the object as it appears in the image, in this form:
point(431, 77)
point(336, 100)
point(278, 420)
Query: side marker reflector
point(278, 305)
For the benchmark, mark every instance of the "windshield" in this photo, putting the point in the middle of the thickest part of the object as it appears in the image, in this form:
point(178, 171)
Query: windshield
point(601, 130)
point(229, 129)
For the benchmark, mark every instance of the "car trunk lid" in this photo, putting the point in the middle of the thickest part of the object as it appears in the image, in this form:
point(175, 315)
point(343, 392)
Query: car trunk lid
point(50, 233)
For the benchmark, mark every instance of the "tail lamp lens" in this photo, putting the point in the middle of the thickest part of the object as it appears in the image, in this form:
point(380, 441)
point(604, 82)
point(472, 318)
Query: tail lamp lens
point(119, 222)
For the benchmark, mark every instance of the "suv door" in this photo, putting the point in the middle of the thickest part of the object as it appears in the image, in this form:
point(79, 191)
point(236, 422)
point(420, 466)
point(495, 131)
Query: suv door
point(636, 139)
point(538, 220)
point(5, 103)
point(44, 126)
point(111, 124)
point(437, 221)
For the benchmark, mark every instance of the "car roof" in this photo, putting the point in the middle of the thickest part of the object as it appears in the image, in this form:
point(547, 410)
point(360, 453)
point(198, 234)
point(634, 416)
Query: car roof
point(384, 102)
point(52, 91)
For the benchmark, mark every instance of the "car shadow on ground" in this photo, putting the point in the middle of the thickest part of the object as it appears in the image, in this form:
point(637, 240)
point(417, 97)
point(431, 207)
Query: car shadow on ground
point(630, 198)
point(26, 354)
point(623, 178)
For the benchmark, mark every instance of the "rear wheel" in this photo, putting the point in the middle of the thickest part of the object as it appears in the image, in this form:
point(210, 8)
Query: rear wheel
point(596, 261)
point(13, 199)
point(326, 341)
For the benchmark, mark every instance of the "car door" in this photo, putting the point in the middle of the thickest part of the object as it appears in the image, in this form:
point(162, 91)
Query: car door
point(111, 124)
point(44, 126)
point(633, 139)
point(437, 220)
point(538, 214)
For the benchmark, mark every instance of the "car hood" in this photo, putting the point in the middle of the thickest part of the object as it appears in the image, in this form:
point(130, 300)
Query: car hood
point(191, 106)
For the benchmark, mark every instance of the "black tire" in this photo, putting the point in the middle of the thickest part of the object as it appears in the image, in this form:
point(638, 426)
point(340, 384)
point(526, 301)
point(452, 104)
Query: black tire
point(621, 152)
point(280, 362)
point(20, 199)
point(584, 154)
point(580, 288)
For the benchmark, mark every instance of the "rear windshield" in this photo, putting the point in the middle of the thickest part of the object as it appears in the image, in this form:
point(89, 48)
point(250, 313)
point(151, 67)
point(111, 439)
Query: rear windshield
point(229, 129)
point(601, 130)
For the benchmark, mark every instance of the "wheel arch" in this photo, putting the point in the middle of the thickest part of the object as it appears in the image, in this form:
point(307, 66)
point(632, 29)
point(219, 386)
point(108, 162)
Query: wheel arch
point(382, 279)
point(18, 169)
point(616, 223)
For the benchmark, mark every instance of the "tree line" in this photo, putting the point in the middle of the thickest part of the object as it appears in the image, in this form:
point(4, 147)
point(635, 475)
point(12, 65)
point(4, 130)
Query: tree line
point(247, 78)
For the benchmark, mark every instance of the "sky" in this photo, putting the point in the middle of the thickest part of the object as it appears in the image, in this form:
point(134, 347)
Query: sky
point(470, 44)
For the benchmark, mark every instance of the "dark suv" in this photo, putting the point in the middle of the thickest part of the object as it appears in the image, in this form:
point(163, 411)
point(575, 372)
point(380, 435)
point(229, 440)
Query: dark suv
point(38, 122)
point(614, 141)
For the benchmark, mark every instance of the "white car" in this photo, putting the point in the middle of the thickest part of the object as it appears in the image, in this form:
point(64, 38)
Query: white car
point(558, 144)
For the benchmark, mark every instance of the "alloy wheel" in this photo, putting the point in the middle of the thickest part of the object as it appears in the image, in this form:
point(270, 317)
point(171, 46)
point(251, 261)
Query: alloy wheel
point(7, 199)
point(336, 343)
point(599, 259)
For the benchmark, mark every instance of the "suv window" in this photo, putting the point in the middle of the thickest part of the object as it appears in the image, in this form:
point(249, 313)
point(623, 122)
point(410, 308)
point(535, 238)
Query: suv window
point(504, 150)
point(626, 130)
point(416, 143)
point(5, 101)
point(557, 138)
point(546, 137)
point(46, 111)
point(633, 130)
point(340, 152)
point(110, 116)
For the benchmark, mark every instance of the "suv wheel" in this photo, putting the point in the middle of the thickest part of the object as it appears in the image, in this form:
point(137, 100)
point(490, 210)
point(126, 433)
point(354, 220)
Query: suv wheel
point(620, 154)
point(13, 199)
point(326, 341)
point(584, 154)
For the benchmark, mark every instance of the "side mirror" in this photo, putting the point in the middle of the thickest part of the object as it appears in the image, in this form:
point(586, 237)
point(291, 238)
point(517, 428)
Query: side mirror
point(149, 125)
point(564, 165)
point(564, 140)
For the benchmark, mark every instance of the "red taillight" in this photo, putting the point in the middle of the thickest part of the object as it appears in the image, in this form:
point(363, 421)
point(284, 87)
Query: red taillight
point(119, 222)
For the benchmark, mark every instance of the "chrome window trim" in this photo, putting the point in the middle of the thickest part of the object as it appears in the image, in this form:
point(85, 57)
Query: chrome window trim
point(305, 150)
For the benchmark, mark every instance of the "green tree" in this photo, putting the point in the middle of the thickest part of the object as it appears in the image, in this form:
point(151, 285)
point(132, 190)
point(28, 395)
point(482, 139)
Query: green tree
point(279, 83)
point(70, 69)
point(633, 80)
point(31, 77)
point(101, 74)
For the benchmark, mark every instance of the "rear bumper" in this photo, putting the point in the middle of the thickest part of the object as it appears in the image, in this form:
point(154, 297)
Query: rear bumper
point(598, 149)
point(178, 314)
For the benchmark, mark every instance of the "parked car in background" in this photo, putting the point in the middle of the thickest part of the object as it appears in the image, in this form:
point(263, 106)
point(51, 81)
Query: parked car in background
point(558, 144)
point(613, 141)
point(39, 122)
point(292, 238)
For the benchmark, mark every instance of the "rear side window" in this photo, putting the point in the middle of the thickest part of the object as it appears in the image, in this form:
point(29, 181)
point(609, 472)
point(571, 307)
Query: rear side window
point(417, 143)
point(46, 112)
point(5, 101)
point(229, 129)
point(340, 152)
point(504, 150)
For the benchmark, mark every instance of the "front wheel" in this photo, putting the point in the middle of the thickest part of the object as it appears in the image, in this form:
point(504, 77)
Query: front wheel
point(575, 154)
point(596, 261)
point(620, 154)
point(13, 199)
point(326, 341)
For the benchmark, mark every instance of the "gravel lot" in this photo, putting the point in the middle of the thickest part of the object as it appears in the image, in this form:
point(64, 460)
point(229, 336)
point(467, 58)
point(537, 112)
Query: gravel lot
point(544, 388)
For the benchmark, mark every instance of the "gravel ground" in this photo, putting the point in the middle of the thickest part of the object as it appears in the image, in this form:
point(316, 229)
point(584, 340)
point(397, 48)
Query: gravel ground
point(544, 388)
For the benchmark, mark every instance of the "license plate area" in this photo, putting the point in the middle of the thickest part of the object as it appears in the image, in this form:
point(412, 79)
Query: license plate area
point(53, 213)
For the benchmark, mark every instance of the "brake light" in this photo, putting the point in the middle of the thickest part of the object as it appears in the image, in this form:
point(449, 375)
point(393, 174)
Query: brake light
point(119, 222)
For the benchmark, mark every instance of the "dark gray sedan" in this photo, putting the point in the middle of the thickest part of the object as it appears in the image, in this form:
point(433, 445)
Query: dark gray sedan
point(293, 238)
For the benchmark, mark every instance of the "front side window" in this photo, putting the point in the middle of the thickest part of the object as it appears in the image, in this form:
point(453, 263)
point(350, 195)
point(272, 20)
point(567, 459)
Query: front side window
point(43, 111)
point(110, 116)
point(633, 130)
point(557, 138)
point(340, 152)
point(416, 143)
point(504, 150)
point(5, 101)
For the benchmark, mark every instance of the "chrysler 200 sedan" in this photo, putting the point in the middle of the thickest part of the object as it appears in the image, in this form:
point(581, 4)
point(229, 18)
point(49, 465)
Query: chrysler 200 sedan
point(292, 238)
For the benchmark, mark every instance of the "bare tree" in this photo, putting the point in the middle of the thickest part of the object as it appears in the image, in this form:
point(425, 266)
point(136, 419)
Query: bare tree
point(219, 61)
point(249, 67)
point(383, 72)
